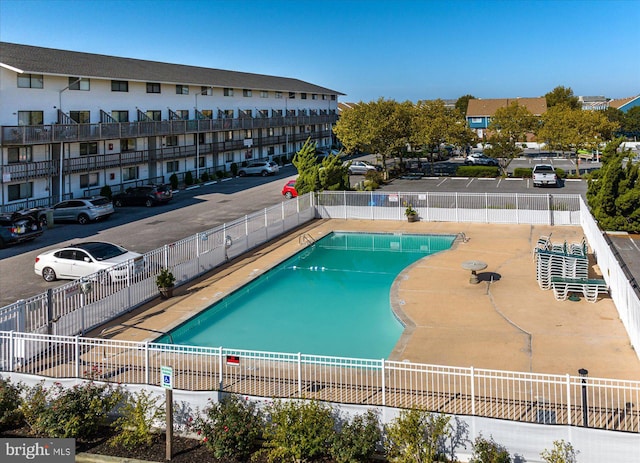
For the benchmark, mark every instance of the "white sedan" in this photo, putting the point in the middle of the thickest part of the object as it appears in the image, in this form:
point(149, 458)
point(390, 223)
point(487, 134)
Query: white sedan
point(84, 259)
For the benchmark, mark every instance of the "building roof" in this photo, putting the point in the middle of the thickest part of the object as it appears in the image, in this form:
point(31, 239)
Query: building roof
point(479, 107)
point(622, 101)
point(50, 61)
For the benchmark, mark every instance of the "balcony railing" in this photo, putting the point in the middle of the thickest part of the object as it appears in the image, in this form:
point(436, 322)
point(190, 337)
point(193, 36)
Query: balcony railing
point(59, 133)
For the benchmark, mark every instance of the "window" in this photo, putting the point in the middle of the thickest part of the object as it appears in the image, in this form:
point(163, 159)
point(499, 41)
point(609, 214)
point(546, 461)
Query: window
point(20, 191)
point(271, 151)
point(88, 148)
point(89, 180)
point(202, 138)
point(30, 81)
point(172, 140)
point(270, 132)
point(180, 89)
point(278, 95)
point(314, 96)
point(119, 86)
point(153, 87)
point(173, 166)
point(333, 98)
point(264, 94)
point(129, 173)
point(154, 115)
point(205, 90)
point(228, 136)
point(301, 129)
point(201, 162)
point(120, 116)
point(20, 154)
point(128, 144)
point(324, 97)
point(292, 95)
point(303, 96)
point(228, 113)
point(30, 117)
point(476, 120)
point(276, 112)
point(228, 157)
point(207, 113)
point(284, 149)
point(228, 92)
point(79, 83)
point(183, 114)
point(246, 92)
point(81, 117)
point(247, 134)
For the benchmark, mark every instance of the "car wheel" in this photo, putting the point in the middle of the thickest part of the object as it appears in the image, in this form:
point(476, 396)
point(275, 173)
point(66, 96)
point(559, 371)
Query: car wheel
point(49, 274)
point(264, 173)
point(83, 219)
point(242, 173)
point(43, 220)
point(148, 203)
point(117, 203)
point(288, 195)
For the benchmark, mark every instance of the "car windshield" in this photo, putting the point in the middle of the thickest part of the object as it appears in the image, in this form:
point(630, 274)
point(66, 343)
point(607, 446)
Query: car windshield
point(103, 251)
point(544, 169)
point(100, 201)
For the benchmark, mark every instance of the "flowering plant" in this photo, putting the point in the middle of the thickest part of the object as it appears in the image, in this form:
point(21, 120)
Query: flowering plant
point(409, 210)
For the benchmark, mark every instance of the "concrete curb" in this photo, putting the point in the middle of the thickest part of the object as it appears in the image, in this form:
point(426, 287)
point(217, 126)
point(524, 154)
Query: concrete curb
point(97, 458)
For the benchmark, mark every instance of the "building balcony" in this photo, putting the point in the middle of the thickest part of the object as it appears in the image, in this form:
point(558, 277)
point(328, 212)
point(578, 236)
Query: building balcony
point(67, 133)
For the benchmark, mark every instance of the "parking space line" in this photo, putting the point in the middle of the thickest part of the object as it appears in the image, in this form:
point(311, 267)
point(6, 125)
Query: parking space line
point(443, 180)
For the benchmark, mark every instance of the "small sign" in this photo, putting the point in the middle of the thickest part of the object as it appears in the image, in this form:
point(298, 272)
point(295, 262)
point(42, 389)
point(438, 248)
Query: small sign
point(233, 360)
point(166, 377)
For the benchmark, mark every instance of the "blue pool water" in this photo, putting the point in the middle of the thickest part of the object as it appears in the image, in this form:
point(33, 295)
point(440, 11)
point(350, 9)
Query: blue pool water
point(329, 299)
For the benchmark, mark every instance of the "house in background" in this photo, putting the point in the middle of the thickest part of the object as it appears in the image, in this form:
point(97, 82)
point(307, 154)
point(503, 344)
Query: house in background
point(625, 104)
point(480, 111)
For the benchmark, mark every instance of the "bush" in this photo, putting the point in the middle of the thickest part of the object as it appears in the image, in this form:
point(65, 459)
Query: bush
point(563, 452)
point(220, 174)
point(478, 171)
point(77, 412)
point(358, 439)
point(106, 191)
point(523, 172)
point(174, 181)
point(10, 402)
point(416, 436)
point(488, 451)
point(230, 428)
point(204, 177)
point(135, 424)
point(234, 169)
point(298, 431)
point(188, 178)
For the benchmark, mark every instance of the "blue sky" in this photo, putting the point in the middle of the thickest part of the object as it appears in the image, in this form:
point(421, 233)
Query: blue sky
point(396, 49)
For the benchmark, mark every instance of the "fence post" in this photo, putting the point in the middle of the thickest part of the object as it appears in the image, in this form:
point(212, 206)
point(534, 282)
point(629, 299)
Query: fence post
point(299, 374)
point(12, 349)
point(50, 311)
point(76, 344)
point(22, 313)
point(220, 375)
point(147, 373)
point(384, 384)
point(473, 391)
point(549, 206)
point(569, 417)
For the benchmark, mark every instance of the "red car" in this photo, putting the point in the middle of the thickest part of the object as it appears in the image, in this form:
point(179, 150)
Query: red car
point(289, 190)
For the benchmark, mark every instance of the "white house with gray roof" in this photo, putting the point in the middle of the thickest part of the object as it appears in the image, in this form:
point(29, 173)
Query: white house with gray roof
point(72, 122)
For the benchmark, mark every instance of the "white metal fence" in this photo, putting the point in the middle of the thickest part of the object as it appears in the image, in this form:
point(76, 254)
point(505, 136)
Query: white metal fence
point(526, 397)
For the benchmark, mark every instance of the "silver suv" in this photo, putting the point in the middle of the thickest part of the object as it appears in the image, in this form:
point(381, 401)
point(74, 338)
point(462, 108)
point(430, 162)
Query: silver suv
point(479, 159)
point(83, 210)
point(263, 168)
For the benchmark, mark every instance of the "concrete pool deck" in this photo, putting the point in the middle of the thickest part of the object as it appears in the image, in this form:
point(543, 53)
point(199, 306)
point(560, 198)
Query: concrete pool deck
point(506, 322)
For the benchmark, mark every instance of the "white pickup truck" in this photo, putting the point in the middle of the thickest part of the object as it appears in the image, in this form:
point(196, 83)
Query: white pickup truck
point(544, 174)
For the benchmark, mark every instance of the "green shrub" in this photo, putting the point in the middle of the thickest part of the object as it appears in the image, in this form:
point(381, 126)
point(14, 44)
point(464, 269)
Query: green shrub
point(562, 452)
point(488, 451)
point(298, 431)
point(174, 181)
point(230, 428)
point(234, 169)
point(358, 439)
point(204, 177)
point(416, 436)
point(561, 173)
point(478, 171)
point(523, 172)
point(10, 403)
point(77, 412)
point(220, 174)
point(135, 424)
point(106, 191)
point(188, 178)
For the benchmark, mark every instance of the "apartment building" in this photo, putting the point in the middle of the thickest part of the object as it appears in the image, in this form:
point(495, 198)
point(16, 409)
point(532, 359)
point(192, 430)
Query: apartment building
point(72, 122)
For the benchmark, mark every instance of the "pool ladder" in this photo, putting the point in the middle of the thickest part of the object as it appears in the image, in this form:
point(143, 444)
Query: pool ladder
point(305, 238)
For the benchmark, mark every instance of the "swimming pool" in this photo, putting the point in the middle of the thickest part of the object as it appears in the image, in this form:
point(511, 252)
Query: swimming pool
point(331, 298)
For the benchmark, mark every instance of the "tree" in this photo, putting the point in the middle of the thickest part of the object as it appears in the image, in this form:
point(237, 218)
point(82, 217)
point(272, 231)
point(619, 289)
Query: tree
point(380, 127)
point(508, 126)
point(630, 124)
point(567, 129)
point(562, 96)
point(433, 125)
point(562, 452)
point(463, 103)
point(489, 451)
point(333, 175)
point(306, 162)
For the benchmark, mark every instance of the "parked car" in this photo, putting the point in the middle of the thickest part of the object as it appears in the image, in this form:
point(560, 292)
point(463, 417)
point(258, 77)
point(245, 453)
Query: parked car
point(148, 195)
point(83, 210)
point(480, 159)
point(360, 167)
point(289, 189)
point(37, 213)
point(263, 168)
point(544, 174)
point(83, 259)
point(17, 228)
